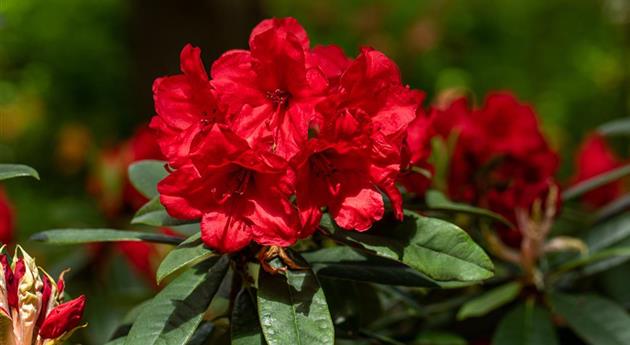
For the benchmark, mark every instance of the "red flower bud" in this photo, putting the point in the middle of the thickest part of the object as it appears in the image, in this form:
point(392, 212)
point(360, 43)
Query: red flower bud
point(63, 318)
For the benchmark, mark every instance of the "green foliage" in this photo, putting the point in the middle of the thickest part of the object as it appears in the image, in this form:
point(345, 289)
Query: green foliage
point(597, 320)
point(8, 171)
point(293, 309)
point(176, 311)
point(489, 301)
point(438, 249)
point(76, 236)
point(526, 324)
point(190, 252)
point(145, 175)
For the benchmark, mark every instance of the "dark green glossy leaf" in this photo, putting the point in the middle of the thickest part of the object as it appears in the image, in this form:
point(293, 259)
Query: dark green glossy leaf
point(76, 236)
point(8, 171)
point(595, 182)
point(436, 248)
point(595, 319)
point(527, 324)
point(176, 311)
point(245, 325)
point(190, 252)
point(437, 201)
point(343, 262)
point(290, 315)
point(153, 213)
point(489, 301)
point(145, 175)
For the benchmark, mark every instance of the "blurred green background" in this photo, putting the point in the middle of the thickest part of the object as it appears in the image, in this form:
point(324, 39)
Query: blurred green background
point(75, 78)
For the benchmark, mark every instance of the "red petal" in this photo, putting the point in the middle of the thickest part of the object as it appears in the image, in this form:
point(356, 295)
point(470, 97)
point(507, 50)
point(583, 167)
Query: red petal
point(225, 229)
point(63, 318)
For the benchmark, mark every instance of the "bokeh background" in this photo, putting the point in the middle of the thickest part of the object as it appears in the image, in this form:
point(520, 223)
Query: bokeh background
point(76, 75)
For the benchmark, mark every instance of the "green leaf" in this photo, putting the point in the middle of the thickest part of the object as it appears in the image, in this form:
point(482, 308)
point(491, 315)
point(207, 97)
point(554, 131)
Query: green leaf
point(609, 233)
point(245, 326)
point(8, 171)
point(595, 182)
point(595, 319)
point(436, 248)
point(76, 236)
point(145, 175)
point(290, 315)
point(489, 301)
point(437, 201)
point(617, 127)
point(175, 312)
point(598, 261)
point(439, 338)
point(343, 262)
point(153, 213)
point(190, 252)
point(527, 324)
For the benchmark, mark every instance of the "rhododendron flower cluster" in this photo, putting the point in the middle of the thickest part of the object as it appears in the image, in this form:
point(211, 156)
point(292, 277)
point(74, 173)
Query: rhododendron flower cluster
point(593, 158)
point(32, 308)
point(501, 160)
point(279, 133)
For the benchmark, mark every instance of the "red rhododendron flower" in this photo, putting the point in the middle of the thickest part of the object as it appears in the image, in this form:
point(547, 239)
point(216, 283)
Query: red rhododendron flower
point(241, 194)
point(6, 218)
point(185, 104)
point(270, 92)
point(303, 129)
point(593, 158)
point(501, 159)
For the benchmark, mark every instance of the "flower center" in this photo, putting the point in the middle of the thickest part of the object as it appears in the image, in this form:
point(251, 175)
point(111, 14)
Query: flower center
point(279, 98)
point(322, 166)
point(243, 178)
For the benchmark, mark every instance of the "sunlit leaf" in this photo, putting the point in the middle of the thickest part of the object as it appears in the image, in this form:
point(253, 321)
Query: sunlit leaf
point(436, 248)
point(8, 171)
point(76, 236)
point(290, 315)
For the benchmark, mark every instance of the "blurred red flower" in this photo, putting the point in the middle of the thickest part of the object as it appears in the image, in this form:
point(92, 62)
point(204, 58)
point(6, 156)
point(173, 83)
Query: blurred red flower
point(501, 159)
point(309, 123)
point(6, 218)
point(593, 158)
